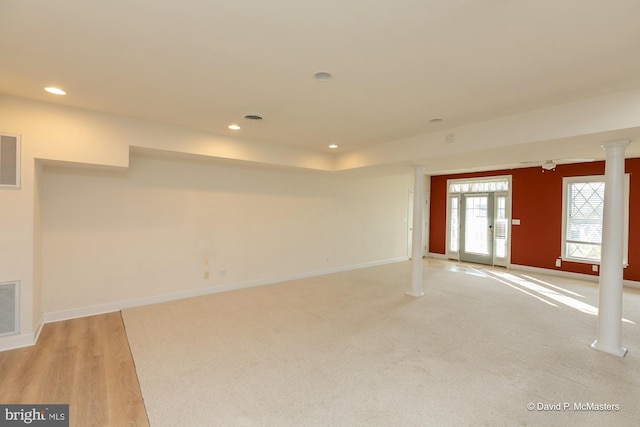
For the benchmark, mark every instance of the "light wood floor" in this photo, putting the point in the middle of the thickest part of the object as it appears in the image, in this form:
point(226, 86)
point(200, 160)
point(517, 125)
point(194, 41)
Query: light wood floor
point(85, 363)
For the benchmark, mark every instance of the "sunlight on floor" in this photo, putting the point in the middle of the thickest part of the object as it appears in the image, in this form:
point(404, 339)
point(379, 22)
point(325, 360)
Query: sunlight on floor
point(544, 291)
point(506, 282)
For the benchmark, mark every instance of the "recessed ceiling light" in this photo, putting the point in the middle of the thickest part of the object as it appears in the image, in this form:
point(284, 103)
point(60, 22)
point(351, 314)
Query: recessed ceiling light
point(322, 76)
point(333, 146)
point(437, 120)
point(234, 127)
point(55, 91)
point(253, 117)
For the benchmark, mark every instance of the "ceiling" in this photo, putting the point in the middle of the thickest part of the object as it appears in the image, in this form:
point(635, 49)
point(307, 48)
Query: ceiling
point(205, 64)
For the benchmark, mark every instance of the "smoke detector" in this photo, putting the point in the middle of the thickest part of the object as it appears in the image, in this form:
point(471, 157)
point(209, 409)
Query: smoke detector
point(549, 165)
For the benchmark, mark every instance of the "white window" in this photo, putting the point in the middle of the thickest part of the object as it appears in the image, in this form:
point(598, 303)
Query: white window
point(583, 209)
point(454, 218)
point(502, 226)
point(479, 185)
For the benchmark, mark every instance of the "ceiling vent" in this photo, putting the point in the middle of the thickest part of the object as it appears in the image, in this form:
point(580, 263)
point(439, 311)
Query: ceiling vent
point(8, 308)
point(9, 161)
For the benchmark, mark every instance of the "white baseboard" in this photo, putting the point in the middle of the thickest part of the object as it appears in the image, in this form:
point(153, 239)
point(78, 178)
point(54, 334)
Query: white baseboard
point(121, 305)
point(569, 274)
point(12, 342)
point(25, 340)
point(38, 329)
point(29, 339)
point(631, 284)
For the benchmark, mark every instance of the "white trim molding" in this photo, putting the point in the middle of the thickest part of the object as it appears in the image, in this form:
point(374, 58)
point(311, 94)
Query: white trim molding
point(120, 305)
point(13, 342)
point(569, 274)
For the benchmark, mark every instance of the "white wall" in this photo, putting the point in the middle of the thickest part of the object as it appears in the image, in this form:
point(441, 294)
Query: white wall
point(17, 221)
point(74, 135)
point(113, 236)
point(67, 134)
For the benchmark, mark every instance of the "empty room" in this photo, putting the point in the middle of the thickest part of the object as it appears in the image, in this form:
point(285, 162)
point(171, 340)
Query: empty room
point(345, 214)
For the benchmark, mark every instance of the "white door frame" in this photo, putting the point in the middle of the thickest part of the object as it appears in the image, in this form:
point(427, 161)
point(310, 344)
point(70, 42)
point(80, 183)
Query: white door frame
point(456, 254)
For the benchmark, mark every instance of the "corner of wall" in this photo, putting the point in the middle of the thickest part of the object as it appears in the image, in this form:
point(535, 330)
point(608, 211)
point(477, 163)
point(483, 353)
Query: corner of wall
point(37, 249)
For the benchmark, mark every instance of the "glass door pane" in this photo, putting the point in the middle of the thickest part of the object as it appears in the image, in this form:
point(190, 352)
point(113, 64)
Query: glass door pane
point(454, 231)
point(501, 227)
point(476, 221)
point(476, 225)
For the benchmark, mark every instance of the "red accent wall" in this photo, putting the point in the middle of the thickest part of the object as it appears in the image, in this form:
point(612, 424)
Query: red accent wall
point(632, 272)
point(537, 202)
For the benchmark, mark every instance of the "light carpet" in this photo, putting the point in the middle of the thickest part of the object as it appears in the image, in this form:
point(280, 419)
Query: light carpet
point(352, 349)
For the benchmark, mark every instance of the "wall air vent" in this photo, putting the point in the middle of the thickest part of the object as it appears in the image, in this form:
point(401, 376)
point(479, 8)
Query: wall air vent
point(8, 308)
point(9, 160)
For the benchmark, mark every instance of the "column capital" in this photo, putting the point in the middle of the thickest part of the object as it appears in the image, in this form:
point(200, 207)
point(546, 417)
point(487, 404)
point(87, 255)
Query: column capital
point(613, 144)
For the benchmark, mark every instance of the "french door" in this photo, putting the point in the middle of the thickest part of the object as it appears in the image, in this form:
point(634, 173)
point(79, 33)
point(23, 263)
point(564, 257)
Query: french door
point(478, 225)
point(476, 228)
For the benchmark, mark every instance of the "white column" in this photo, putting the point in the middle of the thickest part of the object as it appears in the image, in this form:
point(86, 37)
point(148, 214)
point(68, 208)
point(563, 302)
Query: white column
point(417, 242)
point(611, 268)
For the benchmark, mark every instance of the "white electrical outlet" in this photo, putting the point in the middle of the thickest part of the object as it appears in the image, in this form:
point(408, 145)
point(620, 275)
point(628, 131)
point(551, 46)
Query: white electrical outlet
point(558, 262)
point(594, 267)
